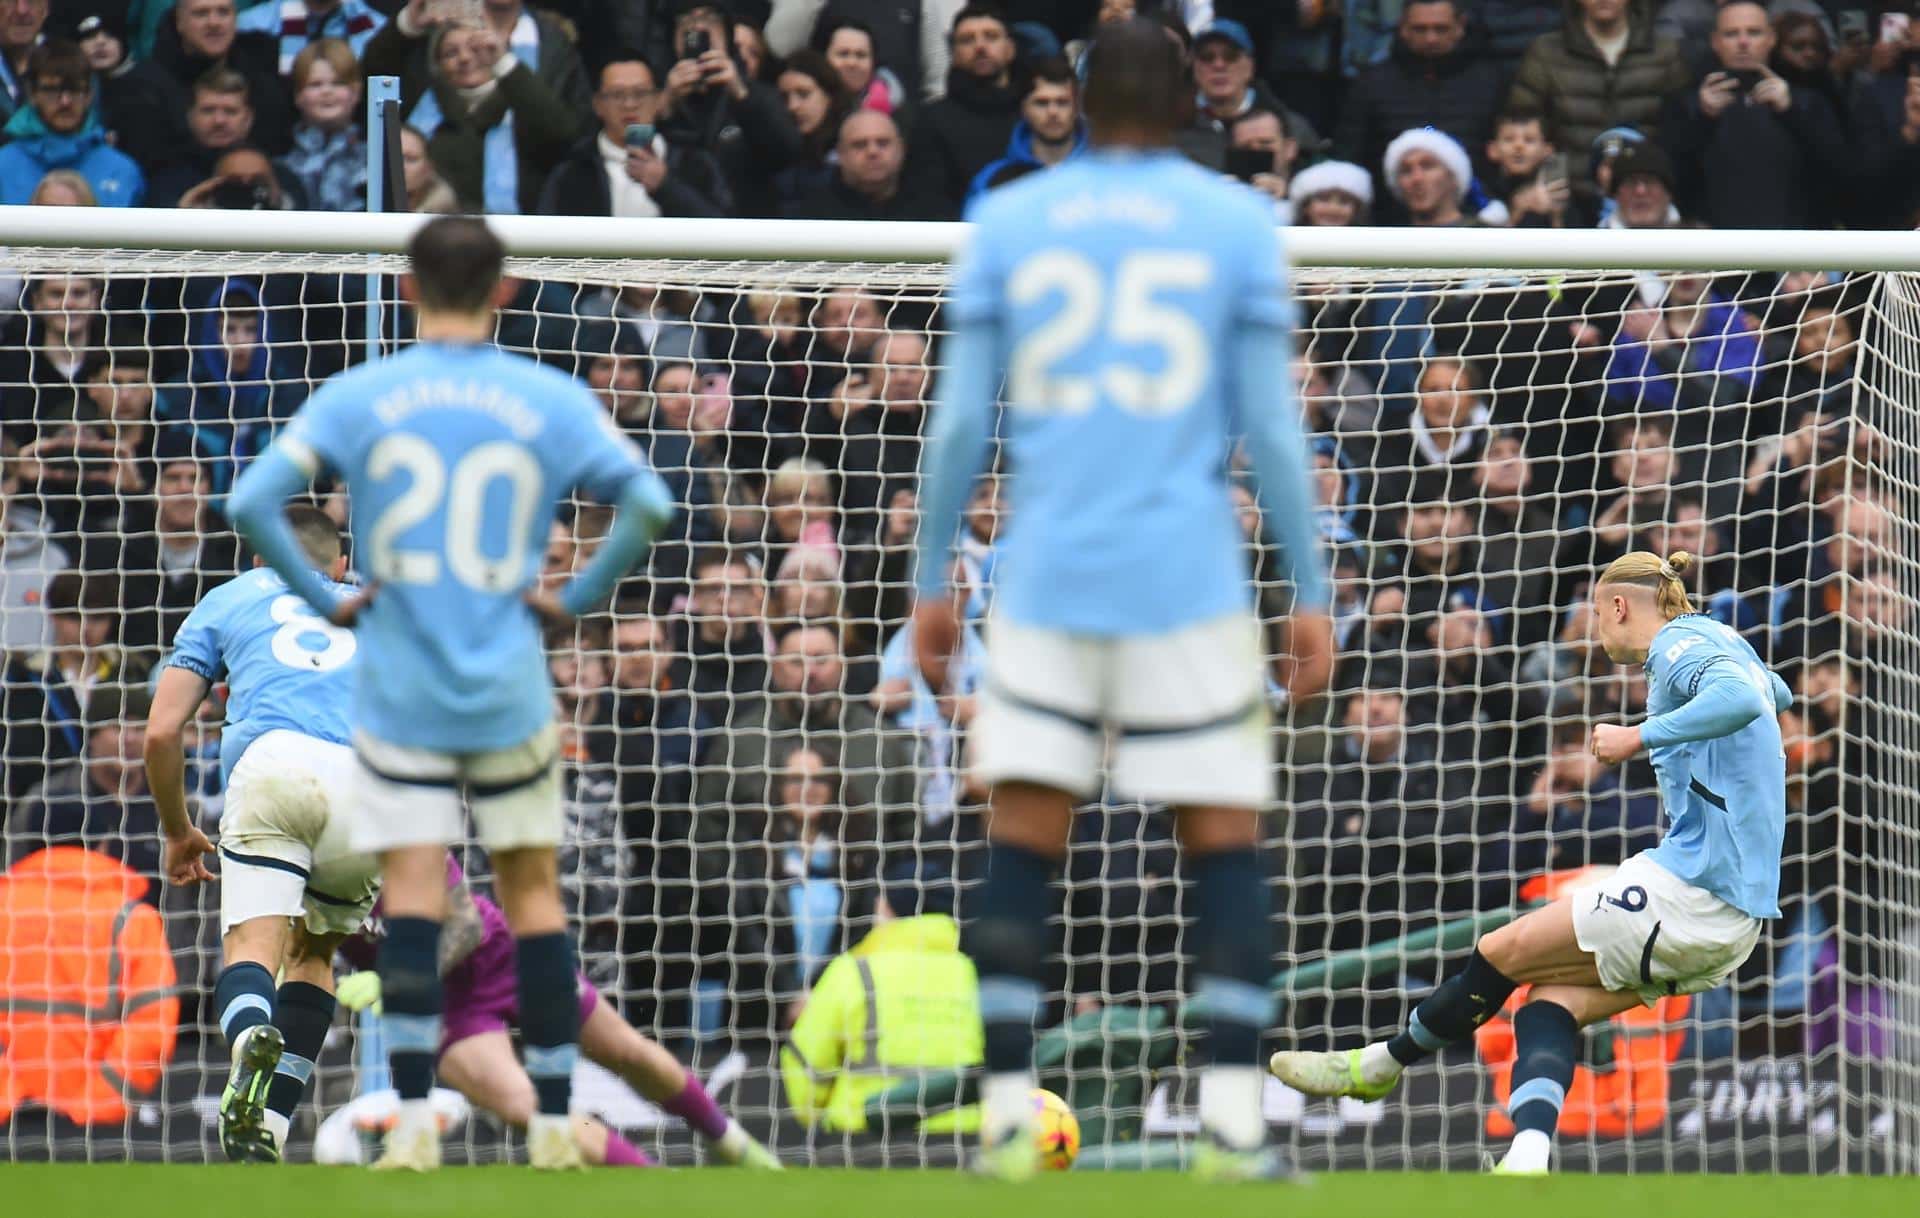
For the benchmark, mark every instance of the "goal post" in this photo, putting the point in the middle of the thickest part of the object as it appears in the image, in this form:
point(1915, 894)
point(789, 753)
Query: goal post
point(1494, 413)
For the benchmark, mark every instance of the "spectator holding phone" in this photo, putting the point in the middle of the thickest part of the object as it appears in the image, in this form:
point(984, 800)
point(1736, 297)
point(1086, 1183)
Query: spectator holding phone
point(626, 167)
point(1262, 154)
point(498, 110)
point(710, 104)
point(1755, 151)
point(1529, 172)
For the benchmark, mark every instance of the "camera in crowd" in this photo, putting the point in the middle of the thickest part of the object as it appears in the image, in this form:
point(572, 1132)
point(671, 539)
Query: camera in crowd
point(242, 194)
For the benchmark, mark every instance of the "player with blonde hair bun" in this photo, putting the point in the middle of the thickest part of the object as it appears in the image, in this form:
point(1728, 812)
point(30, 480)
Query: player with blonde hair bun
point(1676, 919)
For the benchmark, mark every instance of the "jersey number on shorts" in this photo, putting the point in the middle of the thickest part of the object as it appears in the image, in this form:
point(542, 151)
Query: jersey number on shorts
point(464, 494)
point(1132, 316)
point(299, 626)
point(1633, 899)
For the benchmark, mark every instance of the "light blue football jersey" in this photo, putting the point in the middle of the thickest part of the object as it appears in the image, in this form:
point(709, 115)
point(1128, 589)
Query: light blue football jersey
point(455, 457)
point(1118, 292)
point(1726, 797)
point(285, 668)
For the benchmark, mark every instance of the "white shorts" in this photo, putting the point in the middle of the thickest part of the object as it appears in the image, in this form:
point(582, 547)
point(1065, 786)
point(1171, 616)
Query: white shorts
point(284, 837)
point(1185, 712)
point(417, 797)
point(1655, 934)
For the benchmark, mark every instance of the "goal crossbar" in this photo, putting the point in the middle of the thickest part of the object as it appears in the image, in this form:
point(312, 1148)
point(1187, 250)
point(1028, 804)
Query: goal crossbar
point(854, 241)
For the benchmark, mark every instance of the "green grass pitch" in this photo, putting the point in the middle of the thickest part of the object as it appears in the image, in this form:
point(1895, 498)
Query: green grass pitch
point(182, 1191)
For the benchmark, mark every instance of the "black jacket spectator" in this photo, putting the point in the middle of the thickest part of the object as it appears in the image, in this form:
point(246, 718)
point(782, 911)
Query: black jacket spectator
point(868, 184)
point(142, 106)
point(1434, 78)
point(959, 135)
point(1886, 122)
point(579, 186)
point(1751, 163)
point(254, 56)
point(712, 106)
point(662, 179)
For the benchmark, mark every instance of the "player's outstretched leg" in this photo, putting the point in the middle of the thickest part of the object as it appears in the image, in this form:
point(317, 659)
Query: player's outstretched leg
point(1540, 948)
point(413, 1003)
point(1007, 939)
point(654, 1073)
point(244, 997)
point(1456, 1007)
point(1233, 958)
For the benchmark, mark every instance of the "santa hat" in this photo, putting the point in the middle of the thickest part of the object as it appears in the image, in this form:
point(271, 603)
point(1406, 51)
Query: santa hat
point(1448, 152)
point(1343, 176)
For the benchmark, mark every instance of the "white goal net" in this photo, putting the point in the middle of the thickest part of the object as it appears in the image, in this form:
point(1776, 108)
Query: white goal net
point(751, 765)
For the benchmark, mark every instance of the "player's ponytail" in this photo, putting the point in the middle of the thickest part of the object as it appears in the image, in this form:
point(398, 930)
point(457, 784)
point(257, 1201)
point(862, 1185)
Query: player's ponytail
point(1673, 599)
point(1664, 577)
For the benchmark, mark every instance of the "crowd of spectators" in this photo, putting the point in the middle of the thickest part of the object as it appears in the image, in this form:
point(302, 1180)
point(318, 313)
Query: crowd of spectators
point(747, 744)
point(1793, 114)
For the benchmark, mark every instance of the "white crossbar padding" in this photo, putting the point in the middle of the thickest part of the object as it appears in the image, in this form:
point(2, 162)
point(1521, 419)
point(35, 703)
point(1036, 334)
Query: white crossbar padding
point(853, 241)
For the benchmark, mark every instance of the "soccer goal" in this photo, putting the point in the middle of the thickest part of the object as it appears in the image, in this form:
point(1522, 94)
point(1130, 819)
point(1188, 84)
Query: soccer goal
point(755, 781)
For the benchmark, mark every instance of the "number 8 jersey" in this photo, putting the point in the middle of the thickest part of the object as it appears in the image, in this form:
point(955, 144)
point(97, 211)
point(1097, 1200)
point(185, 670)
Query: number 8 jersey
point(455, 457)
point(285, 668)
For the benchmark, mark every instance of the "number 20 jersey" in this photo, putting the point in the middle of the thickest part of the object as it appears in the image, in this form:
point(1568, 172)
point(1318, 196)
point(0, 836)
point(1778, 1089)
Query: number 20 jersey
point(285, 668)
point(455, 457)
point(1116, 286)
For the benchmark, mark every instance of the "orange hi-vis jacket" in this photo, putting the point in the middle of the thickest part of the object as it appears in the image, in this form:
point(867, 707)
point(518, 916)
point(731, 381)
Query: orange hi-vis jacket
point(88, 1003)
point(1632, 1097)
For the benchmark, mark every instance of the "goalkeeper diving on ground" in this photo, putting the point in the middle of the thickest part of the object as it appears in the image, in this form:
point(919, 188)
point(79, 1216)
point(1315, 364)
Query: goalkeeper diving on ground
point(1676, 919)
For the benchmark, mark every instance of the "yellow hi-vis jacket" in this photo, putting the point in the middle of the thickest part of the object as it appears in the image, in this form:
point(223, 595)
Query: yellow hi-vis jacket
point(903, 1000)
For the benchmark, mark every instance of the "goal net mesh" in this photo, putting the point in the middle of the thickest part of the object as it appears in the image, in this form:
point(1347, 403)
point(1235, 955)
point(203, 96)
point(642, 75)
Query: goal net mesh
point(751, 766)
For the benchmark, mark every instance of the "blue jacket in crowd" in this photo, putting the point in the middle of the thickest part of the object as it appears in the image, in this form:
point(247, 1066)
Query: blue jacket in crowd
point(1020, 161)
point(32, 151)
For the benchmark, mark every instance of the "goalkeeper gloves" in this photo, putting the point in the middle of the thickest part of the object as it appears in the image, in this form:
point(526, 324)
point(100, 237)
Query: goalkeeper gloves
point(359, 991)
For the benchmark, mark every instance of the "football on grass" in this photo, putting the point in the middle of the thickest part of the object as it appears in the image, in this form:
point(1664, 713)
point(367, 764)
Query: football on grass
point(1056, 1129)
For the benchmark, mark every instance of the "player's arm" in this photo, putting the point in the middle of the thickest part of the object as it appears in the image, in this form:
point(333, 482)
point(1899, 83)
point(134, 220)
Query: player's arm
point(642, 508)
point(1261, 368)
point(956, 448)
point(176, 699)
point(1720, 700)
point(257, 509)
point(1782, 695)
